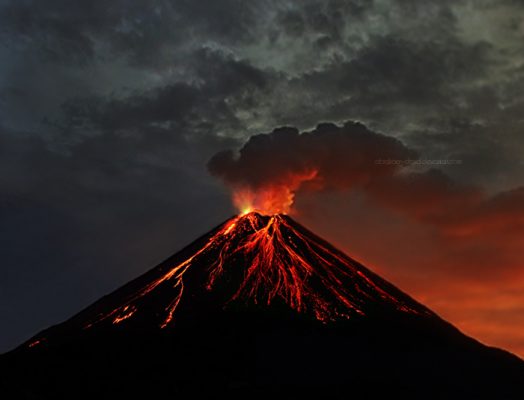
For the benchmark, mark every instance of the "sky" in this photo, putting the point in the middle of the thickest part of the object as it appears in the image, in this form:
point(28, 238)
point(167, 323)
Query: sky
point(124, 127)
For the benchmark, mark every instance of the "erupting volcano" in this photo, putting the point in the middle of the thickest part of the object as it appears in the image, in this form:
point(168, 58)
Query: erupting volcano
point(259, 259)
point(258, 306)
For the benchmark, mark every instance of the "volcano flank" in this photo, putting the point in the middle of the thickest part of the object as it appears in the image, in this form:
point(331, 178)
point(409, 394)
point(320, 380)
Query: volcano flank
point(260, 306)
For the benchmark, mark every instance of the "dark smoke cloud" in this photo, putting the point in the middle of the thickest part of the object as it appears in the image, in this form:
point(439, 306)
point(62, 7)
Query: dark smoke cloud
point(342, 156)
point(353, 157)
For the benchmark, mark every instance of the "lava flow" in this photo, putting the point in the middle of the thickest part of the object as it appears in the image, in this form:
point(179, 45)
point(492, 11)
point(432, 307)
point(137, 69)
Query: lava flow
point(273, 259)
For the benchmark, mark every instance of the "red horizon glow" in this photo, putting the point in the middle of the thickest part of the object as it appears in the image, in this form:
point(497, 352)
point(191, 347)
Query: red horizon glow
point(474, 280)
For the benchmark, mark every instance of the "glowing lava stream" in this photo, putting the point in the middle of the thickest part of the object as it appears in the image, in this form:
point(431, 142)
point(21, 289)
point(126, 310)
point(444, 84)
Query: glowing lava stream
point(279, 260)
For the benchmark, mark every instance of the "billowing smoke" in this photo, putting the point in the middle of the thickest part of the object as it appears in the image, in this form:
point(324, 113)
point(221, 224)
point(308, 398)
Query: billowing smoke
point(268, 170)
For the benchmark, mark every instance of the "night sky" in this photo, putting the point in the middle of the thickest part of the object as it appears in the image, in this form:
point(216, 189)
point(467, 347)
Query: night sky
point(120, 122)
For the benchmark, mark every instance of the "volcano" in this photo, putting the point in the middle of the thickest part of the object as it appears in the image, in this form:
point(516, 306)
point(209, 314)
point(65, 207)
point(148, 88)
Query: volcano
point(260, 306)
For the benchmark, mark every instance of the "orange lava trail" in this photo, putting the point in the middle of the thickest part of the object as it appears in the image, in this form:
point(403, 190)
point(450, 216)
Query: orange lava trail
point(279, 261)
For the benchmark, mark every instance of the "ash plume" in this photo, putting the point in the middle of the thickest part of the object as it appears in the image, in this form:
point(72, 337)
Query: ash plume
point(270, 167)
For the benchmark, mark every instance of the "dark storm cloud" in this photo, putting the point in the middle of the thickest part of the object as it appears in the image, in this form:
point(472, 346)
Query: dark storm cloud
point(179, 103)
point(392, 70)
point(326, 20)
point(64, 31)
point(105, 164)
point(389, 76)
point(68, 31)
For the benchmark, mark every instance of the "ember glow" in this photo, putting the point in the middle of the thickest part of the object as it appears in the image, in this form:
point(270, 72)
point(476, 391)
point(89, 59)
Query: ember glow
point(261, 259)
point(275, 198)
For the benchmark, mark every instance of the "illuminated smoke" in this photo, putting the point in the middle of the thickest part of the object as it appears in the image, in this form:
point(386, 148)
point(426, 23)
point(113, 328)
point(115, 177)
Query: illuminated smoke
point(270, 168)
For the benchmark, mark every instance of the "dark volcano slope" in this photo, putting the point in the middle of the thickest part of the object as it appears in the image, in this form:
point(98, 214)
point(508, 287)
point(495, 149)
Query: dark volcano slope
point(258, 307)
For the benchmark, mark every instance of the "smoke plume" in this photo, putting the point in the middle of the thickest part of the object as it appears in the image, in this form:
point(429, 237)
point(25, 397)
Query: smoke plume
point(270, 168)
